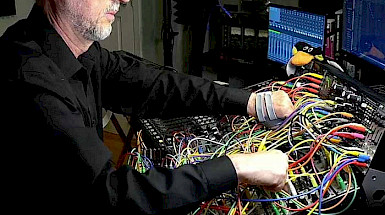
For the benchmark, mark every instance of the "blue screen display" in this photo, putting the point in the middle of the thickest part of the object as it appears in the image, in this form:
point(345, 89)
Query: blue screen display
point(364, 30)
point(287, 26)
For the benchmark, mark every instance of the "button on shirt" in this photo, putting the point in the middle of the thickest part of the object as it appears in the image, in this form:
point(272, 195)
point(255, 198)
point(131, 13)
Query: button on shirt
point(52, 106)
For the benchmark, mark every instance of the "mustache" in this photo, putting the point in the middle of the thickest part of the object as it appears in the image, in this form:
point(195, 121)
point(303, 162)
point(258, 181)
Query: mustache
point(113, 7)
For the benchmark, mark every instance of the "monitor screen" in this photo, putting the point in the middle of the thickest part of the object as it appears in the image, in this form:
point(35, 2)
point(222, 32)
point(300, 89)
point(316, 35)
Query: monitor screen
point(287, 26)
point(364, 30)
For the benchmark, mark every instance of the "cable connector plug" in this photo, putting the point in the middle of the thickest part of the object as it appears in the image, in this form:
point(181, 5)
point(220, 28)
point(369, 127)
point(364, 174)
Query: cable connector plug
point(363, 158)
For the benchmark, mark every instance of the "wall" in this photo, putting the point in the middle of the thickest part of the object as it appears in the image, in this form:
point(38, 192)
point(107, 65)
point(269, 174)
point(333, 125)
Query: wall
point(23, 7)
point(151, 31)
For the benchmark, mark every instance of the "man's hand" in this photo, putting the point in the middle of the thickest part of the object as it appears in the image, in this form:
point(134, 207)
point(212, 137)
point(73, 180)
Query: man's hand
point(282, 104)
point(267, 169)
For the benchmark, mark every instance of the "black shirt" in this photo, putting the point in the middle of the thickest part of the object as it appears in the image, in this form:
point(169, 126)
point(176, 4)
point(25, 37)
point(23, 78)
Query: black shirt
point(52, 109)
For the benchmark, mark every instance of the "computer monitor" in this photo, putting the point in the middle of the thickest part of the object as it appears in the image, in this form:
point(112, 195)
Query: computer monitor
point(364, 30)
point(289, 25)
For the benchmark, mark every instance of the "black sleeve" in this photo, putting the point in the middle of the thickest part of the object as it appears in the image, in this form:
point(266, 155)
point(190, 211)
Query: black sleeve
point(165, 191)
point(152, 91)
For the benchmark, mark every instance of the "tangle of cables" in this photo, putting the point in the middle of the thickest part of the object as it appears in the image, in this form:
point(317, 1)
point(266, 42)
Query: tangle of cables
point(321, 143)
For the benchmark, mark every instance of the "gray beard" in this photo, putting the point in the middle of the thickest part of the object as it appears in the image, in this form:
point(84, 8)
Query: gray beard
point(96, 33)
point(89, 30)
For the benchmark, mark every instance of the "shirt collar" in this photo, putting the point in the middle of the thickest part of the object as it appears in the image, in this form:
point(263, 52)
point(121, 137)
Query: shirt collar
point(54, 46)
point(87, 59)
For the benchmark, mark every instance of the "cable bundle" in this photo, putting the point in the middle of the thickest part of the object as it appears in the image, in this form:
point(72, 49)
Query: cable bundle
point(323, 146)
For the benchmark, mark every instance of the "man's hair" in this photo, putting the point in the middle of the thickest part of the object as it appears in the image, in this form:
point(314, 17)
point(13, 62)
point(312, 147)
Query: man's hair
point(46, 5)
point(40, 2)
point(43, 3)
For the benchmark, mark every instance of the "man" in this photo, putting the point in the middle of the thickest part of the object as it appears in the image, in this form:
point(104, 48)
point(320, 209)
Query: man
point(55, 81)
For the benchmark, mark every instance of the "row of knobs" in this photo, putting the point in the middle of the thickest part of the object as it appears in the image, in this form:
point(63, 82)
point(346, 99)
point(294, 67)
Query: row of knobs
point(349, 96)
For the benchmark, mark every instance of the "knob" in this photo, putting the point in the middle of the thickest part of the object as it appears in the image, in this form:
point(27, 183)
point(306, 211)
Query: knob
point(345, 93)
point(338, 87)
point(338, 99)
point(354, 97)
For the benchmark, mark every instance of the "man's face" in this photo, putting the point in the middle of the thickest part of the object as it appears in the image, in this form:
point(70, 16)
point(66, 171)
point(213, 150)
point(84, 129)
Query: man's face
point(91, 18)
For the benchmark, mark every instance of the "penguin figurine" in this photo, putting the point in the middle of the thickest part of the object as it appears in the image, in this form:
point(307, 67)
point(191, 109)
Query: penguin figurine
point(304, 54)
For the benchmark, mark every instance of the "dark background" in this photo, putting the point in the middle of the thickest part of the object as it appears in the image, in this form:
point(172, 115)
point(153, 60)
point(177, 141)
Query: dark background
point(7, 8)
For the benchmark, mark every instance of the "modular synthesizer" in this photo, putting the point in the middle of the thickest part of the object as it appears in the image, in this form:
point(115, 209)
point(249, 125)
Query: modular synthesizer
point(334, 140)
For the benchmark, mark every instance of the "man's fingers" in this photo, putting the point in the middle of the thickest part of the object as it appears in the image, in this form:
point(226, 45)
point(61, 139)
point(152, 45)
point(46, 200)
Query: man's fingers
point(278, 188)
